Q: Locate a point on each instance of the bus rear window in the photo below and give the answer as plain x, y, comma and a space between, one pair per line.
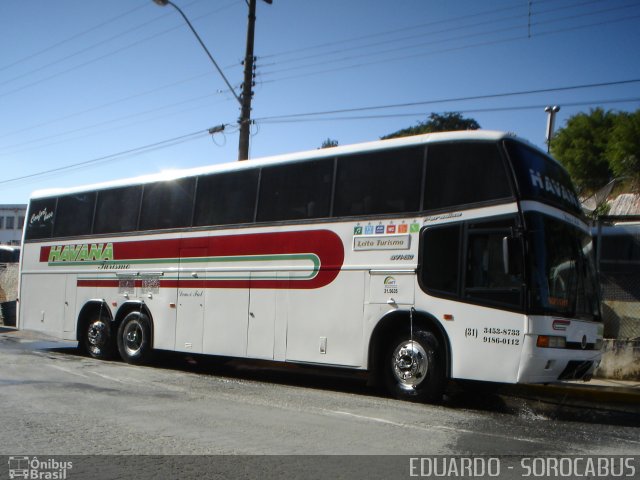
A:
39, 222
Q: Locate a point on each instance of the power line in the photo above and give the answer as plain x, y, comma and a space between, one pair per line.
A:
301, 117
456, 99
104, 105
115, 156
7, 148
403, 48
133, 96
100, 57
69, 39
341, 44
465, 111
448, 50
391, 32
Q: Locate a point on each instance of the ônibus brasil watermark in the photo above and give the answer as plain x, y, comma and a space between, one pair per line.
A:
33, 468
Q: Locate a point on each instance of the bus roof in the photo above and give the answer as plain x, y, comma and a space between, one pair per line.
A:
482, 135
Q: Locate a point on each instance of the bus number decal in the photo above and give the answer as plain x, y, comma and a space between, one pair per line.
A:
390, 285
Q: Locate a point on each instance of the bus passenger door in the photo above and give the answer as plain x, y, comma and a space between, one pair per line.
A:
191, 301
262, 318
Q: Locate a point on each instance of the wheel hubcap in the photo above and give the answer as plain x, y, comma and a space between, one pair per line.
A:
97, 335
133, 338
410, 364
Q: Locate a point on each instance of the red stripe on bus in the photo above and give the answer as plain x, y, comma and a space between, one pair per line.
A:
324, 243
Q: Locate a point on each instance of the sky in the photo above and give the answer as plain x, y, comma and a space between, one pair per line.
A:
92, 91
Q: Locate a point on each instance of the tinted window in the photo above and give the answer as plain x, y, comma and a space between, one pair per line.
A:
440, 259
294, 191
541, 178
74, 215
117, 210
464, 173
379, 182
40, 219
9, 254
167, 204
621, 246
226, 198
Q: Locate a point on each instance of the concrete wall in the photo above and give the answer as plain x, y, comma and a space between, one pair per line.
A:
8, 290
620, 360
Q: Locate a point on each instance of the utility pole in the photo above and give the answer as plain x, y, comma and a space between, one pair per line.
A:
247, 93
247, 85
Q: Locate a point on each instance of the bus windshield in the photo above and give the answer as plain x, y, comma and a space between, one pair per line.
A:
564, 280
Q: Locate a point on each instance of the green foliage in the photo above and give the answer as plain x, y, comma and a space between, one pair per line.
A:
581, 146
623, 149
329, 143
447, 122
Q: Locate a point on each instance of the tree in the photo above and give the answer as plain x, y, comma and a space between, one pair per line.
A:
447, 122
581, 146
329, 143
623, 148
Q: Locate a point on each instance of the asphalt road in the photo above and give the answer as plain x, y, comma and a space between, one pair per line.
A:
56, 402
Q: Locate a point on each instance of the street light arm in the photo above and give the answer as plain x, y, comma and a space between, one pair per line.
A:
169, 2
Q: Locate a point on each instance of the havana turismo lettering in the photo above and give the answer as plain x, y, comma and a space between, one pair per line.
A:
94, 252
552, 186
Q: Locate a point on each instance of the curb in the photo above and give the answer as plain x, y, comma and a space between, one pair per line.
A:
626, 399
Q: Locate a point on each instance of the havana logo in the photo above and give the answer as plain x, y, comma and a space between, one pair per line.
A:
94, 252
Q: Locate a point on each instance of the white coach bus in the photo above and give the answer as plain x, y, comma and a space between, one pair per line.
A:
458, 255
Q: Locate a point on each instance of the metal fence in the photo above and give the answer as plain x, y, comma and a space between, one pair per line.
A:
618, 255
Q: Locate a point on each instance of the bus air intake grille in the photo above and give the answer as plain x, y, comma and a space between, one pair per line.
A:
575, 370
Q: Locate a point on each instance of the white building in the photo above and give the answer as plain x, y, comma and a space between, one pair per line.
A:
11, 223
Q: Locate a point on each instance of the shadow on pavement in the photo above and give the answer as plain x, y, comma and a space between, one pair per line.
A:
494, 398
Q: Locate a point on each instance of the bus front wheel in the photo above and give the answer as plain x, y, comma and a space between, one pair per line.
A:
97, 339
413, 367
134, 338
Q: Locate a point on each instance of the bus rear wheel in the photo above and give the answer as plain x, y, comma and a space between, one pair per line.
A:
413, 367
97, 339
134, 338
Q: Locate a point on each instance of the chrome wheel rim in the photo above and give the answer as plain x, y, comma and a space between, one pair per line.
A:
133, 337
97, 335
410, 364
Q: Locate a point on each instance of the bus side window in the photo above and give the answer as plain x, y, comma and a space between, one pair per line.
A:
74, 215
117, 210
464, 174
440, 261
226, 198
379, 182
167, 204
295, 191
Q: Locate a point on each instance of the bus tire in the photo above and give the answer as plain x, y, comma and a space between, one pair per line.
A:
134, 338
97, 337
414, 369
